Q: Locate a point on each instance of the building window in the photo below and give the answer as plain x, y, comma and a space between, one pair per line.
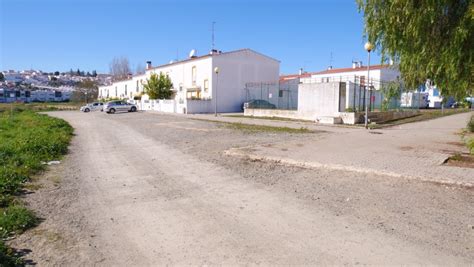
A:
116, 94
137, 87
125, 89
206, 85
280, 93
193, 75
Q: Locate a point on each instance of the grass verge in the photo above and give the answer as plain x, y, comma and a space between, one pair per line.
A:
26, 140
267, 118
424, 115
253, 128
17, 107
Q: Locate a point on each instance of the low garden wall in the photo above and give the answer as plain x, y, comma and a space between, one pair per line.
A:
340, 117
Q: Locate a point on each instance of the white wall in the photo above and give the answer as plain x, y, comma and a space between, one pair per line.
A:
318, 99
237, 69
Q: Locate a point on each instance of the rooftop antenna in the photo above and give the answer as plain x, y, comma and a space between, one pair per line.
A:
212, 45
330, 60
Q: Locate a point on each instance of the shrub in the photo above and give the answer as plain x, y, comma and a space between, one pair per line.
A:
470, 145
470, 125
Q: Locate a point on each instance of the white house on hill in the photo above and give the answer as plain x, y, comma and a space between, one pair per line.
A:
195, 83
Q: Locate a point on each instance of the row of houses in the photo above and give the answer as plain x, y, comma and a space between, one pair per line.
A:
201, 81
225, 80
26, 96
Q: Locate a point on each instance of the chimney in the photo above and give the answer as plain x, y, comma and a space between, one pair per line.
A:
330, 68
354, 64
359, 64
148, 65
214, 51
301, 71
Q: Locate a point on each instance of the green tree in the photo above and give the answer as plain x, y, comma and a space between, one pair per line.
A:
85, 89
2, 77
391, 93
428, 39
94, 73
158, 86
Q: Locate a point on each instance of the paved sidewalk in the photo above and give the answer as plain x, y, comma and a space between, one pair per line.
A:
414, 151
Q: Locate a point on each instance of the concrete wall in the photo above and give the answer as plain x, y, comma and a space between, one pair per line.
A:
199, 106
279, 113
156, 105
319, 99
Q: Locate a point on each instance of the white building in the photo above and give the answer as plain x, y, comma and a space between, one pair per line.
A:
197, 86
357, 74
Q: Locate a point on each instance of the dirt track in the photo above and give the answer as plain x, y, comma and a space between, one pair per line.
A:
148, 189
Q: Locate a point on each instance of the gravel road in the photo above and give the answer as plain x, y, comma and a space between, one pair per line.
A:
150, 189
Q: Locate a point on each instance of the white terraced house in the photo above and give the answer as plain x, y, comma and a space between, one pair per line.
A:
195, 82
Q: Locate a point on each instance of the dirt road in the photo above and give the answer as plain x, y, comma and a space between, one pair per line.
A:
149, 189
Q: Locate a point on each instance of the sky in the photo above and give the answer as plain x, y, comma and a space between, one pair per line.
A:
61, 35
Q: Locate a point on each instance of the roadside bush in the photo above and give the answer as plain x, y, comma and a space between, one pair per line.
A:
470, 145
470, 125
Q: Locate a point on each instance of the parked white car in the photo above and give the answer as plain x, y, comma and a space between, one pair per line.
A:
92, 107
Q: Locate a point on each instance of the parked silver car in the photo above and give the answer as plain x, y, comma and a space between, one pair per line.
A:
117, 106
92, 107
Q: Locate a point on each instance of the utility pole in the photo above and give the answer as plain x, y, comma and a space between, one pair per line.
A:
216, 70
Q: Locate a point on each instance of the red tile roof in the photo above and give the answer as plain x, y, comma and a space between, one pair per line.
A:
341, 70
294, 76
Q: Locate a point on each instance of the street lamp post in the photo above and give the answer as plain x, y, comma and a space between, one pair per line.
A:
368, 46
216, 70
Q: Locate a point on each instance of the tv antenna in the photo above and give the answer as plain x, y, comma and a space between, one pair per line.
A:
330, 60
212, 45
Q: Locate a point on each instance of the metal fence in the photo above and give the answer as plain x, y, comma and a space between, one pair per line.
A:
377, 95
272, 94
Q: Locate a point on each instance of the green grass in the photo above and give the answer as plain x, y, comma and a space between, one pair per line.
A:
424, 115
26, 140
6, 108
266, 118
251, 128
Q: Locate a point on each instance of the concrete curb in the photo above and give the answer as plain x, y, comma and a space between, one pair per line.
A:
236, 152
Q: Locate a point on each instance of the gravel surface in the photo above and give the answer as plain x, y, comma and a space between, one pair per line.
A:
148, 189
